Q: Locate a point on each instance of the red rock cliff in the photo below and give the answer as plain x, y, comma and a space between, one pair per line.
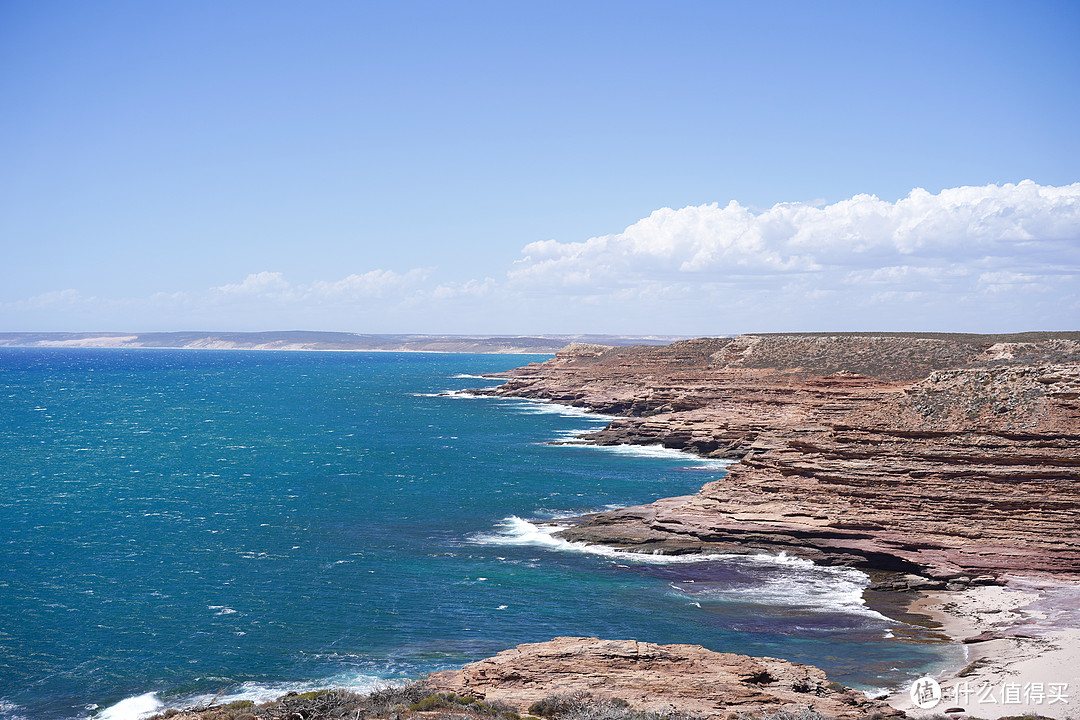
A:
955, 458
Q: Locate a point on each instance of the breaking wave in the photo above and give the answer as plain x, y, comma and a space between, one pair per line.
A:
132, 708
760, 578
652, 451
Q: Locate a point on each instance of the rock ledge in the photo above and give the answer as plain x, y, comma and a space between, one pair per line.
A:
683, 679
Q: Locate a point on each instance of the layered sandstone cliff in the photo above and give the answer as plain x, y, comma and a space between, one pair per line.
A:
952, 458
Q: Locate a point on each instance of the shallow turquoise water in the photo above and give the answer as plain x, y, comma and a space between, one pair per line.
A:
186, 522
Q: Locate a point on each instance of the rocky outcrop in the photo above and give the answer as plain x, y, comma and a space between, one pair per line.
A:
667, 679
952, 459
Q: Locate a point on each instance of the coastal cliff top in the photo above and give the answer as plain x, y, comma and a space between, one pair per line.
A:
904, 356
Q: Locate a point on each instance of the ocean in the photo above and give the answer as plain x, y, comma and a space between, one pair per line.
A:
179, 525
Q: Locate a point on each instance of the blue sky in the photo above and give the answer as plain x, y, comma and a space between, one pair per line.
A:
518, 167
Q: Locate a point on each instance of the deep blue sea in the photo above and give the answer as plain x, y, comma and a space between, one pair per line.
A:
178, 524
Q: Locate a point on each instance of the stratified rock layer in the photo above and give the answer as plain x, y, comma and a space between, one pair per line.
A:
684, 679
952, 458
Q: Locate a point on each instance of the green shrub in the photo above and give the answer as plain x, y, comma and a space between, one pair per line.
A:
239, 705
452, 701
381, 701
583, 706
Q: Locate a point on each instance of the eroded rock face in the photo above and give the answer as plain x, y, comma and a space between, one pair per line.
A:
661, 678
955, 458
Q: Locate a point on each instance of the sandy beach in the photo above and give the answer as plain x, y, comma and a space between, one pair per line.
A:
1022, 650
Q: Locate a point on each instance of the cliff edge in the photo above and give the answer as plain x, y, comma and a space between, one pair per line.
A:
950, 459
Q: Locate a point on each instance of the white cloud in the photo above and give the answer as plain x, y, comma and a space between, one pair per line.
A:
57, 298
272, 286
1021, 223
471, 288
906, 273
1006, 281
261, 284
375, 283
990, 258
963, 257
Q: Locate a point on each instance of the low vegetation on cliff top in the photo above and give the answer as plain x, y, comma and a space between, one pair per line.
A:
417, 701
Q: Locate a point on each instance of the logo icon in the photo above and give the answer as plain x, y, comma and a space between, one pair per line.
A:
925, 693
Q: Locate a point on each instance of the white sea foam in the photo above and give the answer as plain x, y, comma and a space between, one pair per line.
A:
545, 516
878, 692
11, 711
529, 406
265, 692
806, 587
532, 406
221, 609
132, 708
518, 531
467, 376
571, 437
790, 582
456, 394
654, 451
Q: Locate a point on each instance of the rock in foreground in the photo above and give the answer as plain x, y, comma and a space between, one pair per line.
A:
682, 679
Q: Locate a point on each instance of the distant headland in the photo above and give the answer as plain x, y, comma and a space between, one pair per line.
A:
314, 340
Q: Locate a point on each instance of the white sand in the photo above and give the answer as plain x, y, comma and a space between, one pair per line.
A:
1035, 674
90, 342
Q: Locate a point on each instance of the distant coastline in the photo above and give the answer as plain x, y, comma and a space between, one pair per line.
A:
325, 341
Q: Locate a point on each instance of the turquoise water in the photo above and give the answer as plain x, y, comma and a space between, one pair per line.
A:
175, 524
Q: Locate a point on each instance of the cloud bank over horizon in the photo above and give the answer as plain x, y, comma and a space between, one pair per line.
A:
974, 258
1023, 223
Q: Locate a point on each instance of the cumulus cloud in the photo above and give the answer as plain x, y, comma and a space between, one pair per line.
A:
922, 234
261, 284
965, 256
